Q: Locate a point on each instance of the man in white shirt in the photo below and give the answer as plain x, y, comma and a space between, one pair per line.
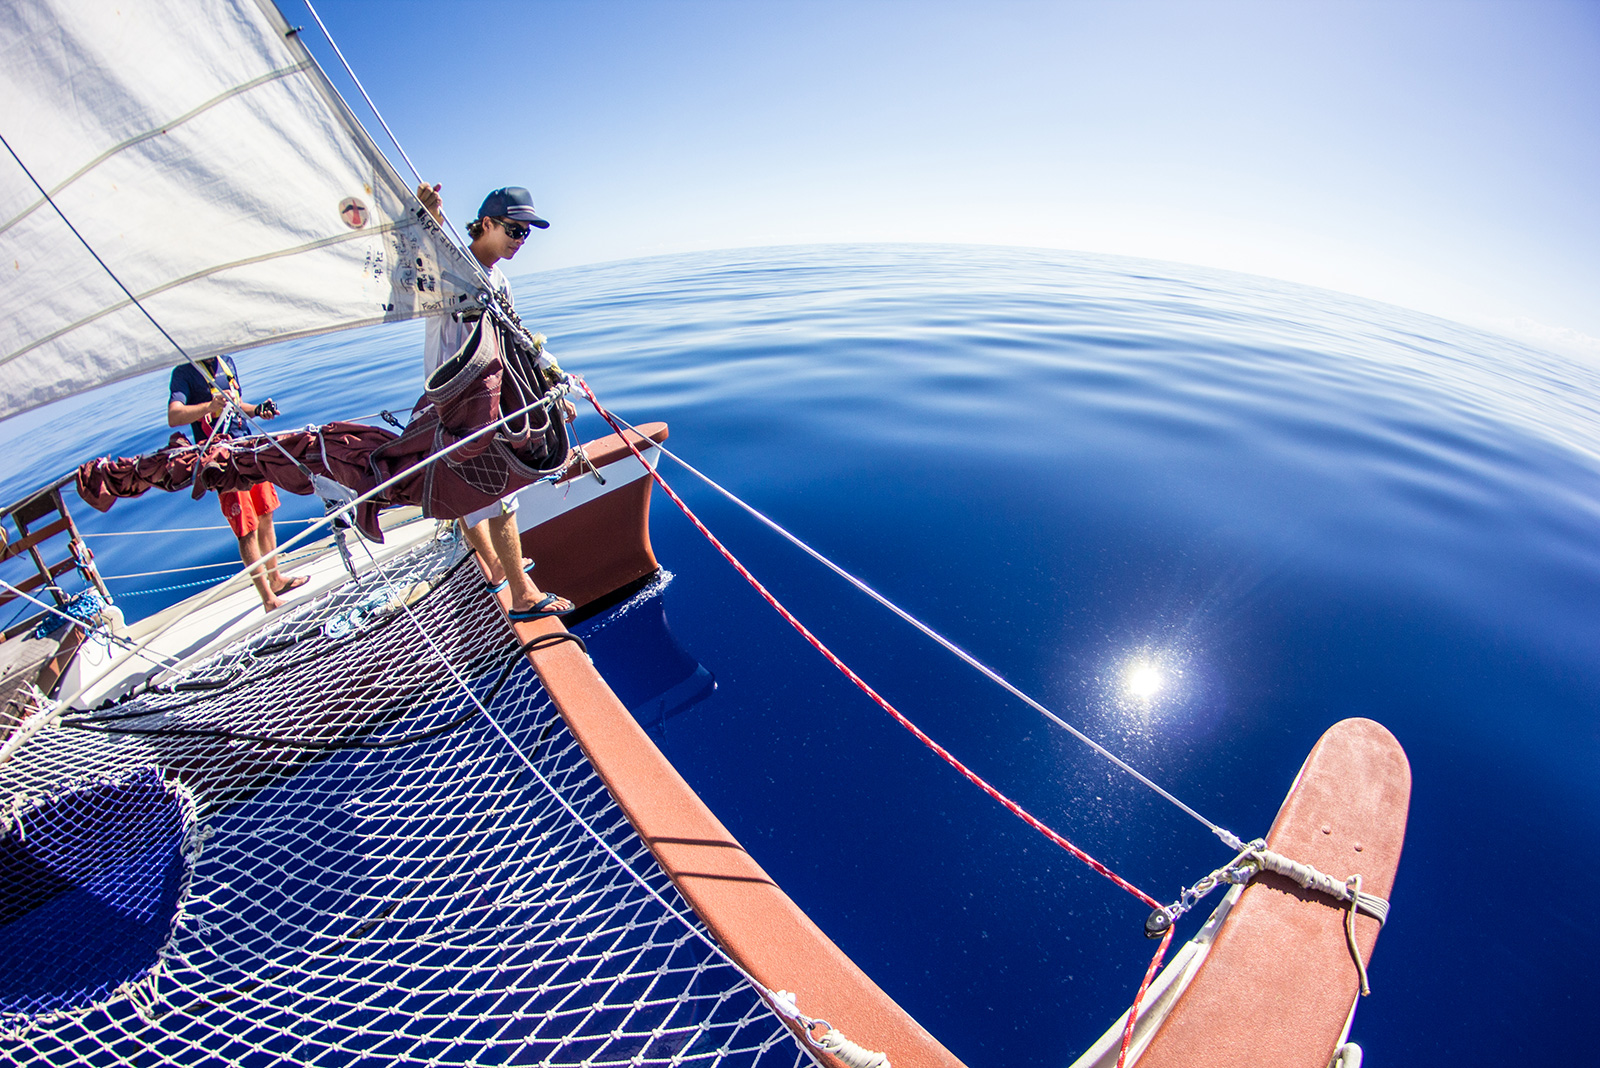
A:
503, 223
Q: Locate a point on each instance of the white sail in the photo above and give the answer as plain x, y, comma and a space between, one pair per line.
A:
202, 154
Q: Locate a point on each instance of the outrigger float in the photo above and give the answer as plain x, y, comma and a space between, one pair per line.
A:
383, 824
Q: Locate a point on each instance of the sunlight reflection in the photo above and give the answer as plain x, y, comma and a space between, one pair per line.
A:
1145, 680
1150, 683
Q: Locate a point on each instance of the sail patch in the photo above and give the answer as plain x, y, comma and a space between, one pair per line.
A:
354, 212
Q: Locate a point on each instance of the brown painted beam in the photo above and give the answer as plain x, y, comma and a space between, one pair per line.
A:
750, 916
1279, 983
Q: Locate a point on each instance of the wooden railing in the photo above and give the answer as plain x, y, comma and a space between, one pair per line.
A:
40, 527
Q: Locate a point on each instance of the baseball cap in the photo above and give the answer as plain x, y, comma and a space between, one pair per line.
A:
512, 202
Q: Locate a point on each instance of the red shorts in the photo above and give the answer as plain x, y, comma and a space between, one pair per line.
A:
244, 508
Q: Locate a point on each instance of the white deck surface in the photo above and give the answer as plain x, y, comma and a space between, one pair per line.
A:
230, 610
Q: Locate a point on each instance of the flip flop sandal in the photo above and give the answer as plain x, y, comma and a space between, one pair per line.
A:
292, 585
541, 609
493, 587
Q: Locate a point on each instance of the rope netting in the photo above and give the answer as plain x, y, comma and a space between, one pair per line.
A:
317, 849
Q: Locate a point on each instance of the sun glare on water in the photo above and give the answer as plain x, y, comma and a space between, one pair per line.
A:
1144, 681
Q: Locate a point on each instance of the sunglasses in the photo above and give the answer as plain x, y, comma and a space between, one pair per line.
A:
516, 231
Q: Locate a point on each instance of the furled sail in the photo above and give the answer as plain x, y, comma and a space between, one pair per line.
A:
204, 156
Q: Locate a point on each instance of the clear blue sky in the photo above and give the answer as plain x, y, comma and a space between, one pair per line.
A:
1439, 154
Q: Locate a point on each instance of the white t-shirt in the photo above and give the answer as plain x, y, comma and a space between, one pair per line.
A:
445, 334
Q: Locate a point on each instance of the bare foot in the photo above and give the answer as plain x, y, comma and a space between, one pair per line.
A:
494, 574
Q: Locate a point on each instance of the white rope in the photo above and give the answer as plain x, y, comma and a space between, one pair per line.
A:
772, 998
362, 89
283, 558
1256, 858
185, 530
1310, 878
851, 1054
833, 1041
1231, 840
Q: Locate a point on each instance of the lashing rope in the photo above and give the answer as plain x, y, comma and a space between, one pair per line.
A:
1312, 879
831, 1040
1257, 858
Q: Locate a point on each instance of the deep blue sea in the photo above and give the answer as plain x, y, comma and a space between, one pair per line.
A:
1298, 505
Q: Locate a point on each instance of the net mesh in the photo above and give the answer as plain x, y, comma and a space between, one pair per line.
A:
315, 850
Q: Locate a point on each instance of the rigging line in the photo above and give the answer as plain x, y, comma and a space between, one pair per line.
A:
362, 89
882, 702
163, 128
222, 589
18, 614
113, 274
239, 406
1144, 986
283, 558
695, 929
455, 235
185, 530
126, 643
1228, 837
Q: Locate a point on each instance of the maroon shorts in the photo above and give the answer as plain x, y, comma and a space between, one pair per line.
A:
244, 508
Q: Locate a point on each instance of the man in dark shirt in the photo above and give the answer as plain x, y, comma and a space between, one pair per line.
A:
200, 404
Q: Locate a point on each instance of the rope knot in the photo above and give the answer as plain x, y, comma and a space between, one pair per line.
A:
833, 1041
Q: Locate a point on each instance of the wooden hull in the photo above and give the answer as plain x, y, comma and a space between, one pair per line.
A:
1270, 980
750, 915
591, 540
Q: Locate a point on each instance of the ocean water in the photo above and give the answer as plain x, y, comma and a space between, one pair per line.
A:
1299, 506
